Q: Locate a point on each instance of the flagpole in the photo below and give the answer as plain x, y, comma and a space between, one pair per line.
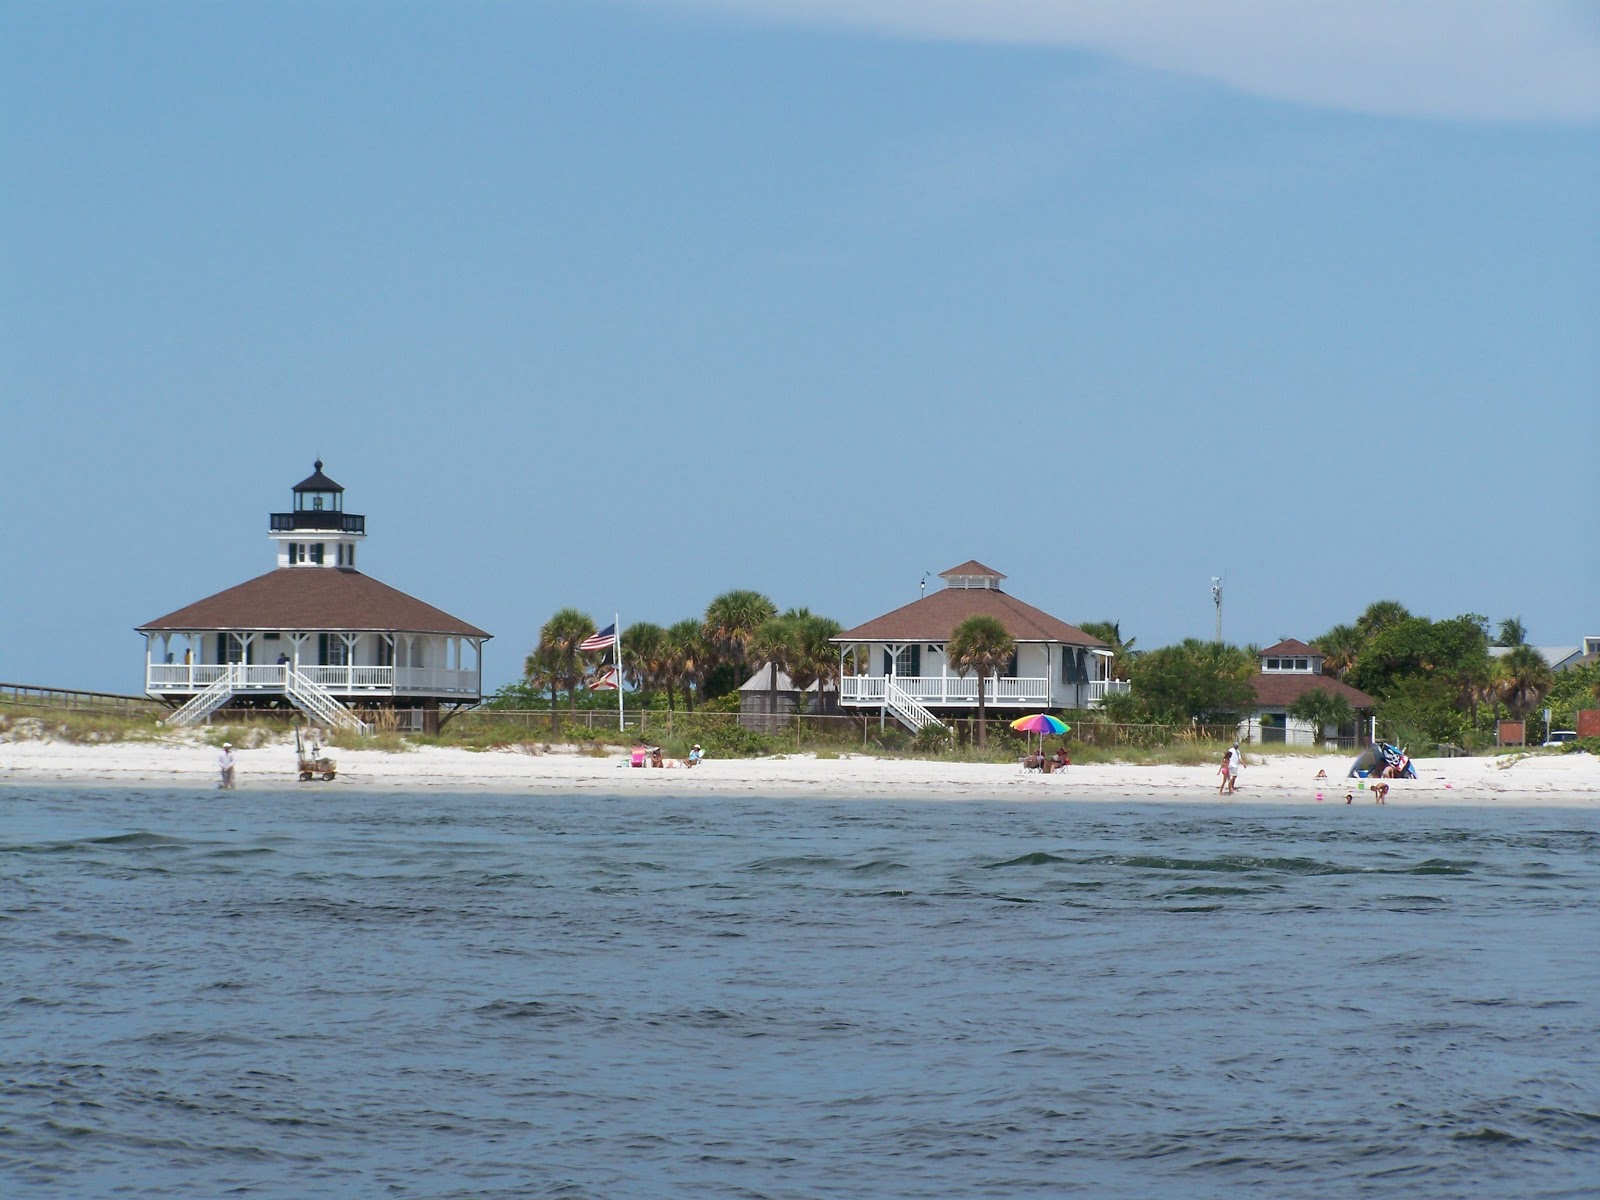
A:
616, 634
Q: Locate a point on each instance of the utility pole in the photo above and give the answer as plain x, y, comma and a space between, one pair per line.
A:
1216, 598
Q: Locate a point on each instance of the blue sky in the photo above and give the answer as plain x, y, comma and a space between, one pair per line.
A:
622, 305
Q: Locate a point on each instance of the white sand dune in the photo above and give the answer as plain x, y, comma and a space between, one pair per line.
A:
1567, 780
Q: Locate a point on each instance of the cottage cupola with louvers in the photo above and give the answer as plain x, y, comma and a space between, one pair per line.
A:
317, 532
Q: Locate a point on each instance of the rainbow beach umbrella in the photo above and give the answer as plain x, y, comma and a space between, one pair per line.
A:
1040, 723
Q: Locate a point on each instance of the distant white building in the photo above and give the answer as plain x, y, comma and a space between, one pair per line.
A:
314, 632
1560, 657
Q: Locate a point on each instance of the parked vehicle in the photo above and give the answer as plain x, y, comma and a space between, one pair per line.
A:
1558, 736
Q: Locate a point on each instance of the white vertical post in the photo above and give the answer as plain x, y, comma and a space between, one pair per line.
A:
616, 659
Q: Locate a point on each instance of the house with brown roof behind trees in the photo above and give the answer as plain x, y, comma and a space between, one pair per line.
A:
1289, 670
897, 665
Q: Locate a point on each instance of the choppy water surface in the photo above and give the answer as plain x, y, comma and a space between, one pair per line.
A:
324, 993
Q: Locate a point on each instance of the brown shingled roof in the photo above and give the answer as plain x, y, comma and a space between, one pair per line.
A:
314, 598
934, 618
1281, 691
971, 567
1292, 646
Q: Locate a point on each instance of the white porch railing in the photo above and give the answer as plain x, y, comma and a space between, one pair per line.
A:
937, 690
1097, 690
345, 680
435, 679
951, 691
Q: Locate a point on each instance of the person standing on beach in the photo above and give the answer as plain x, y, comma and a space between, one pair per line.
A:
226, 764
1235, 760
1227, 759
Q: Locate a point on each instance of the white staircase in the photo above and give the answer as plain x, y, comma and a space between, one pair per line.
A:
318, 703
203, 704
906, 708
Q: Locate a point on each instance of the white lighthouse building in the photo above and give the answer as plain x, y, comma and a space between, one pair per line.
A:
314, 633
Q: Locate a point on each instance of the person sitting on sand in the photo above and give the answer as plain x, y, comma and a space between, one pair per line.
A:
655, 757
695, 755
1033, 762
1062, 758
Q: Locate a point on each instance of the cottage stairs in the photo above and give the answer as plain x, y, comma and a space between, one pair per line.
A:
906, 708
203, 704
305, 693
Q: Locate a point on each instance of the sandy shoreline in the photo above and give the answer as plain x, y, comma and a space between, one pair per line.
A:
1539, 780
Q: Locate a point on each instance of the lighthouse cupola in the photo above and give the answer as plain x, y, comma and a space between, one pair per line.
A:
318, 532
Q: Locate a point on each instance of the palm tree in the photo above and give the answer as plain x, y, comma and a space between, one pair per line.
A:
684, 659
1321, 708
816, 658
731, 621
643, 657
1523, 679
539, 670
1512, 633
1341, 647
980, 644
1475, 683
559, 640
776, 643
1381, 615
1122, 652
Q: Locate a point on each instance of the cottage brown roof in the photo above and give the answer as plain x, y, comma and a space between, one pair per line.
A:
1292, 646
1281, 691
934, 618
971, 567
314, 598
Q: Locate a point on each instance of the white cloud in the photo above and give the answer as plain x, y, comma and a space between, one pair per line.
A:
1498, 60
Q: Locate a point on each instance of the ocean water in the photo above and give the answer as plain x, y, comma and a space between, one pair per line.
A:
322, 992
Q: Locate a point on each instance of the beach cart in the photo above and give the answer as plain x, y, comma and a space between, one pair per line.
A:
313, 762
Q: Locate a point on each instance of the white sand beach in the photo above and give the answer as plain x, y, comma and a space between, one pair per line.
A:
1564, 780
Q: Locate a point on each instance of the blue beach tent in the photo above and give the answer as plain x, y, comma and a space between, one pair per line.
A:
1380, 755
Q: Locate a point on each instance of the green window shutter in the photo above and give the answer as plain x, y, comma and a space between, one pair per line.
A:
916, 659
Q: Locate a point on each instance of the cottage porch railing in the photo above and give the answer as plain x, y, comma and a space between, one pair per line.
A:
343, 680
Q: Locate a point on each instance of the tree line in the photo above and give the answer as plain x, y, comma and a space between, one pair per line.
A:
1433, 681
693, 660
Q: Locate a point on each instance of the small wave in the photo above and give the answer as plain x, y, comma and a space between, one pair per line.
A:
90, 939
879, 866
1440, 866
1489, 1136
140, 838
1037, 859
804, 862
543, 1011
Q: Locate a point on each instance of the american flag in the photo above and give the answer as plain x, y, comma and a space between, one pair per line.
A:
600, 641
